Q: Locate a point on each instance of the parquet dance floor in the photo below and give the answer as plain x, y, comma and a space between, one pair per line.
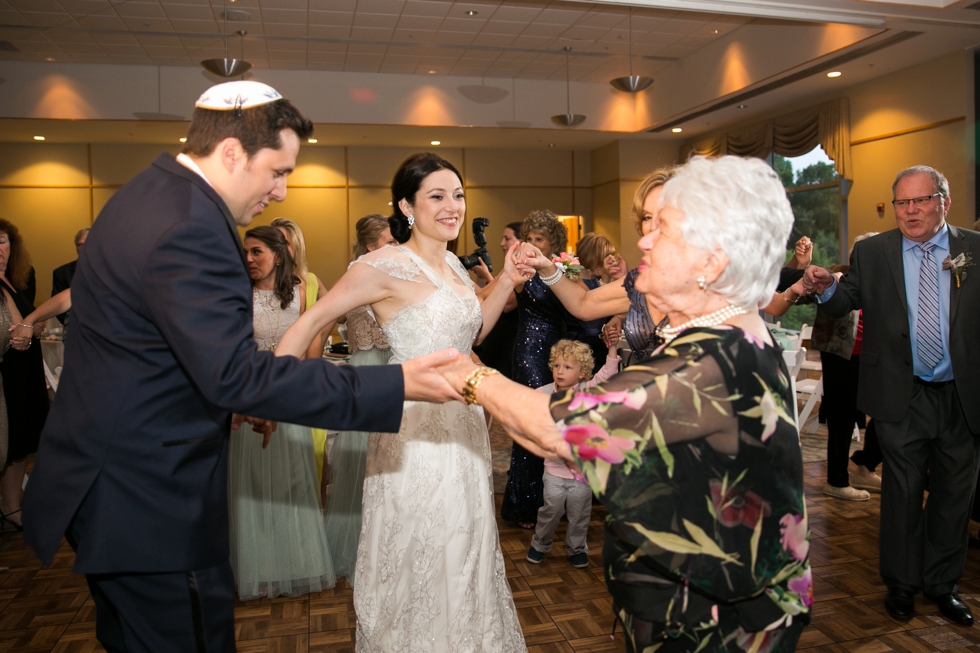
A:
562, 609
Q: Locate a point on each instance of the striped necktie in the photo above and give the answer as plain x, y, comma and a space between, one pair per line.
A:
929, 341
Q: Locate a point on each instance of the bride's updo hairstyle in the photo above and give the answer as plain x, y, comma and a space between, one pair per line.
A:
407, 182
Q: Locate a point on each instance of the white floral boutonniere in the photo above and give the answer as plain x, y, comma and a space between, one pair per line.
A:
958, 266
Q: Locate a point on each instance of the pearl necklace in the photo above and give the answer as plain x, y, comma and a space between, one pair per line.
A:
668, 333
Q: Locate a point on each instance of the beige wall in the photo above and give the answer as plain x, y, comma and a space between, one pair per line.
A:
943, 92
617, 168
50, 191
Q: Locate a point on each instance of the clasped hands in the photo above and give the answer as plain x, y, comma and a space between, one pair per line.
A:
21, 336
816, 280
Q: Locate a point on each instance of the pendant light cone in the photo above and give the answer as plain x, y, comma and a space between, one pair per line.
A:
226, 67
568, 119
632, 83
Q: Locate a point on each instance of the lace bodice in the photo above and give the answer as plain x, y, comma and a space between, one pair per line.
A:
363, 332
435, 315
269, 320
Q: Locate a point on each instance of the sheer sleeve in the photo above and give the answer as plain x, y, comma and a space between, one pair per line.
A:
676, 396
695, 455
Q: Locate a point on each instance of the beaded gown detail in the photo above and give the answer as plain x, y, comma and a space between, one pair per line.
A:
430, 574
278, 540
541, 323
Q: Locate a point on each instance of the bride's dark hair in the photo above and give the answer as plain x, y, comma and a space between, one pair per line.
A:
406, 184
272, 238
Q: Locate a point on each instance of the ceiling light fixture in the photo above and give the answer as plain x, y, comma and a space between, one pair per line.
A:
716, 31
435, 143
431, 72
568, 119
742, 106
633, 83
39, 138
677, 130
513, 122
49, 58
835, 73
228, 67
183, 139
311, 141
472, 13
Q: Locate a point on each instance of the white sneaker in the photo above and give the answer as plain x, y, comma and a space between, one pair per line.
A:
863, 479
847, 493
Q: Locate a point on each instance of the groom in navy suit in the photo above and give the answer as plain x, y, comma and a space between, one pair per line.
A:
133, 460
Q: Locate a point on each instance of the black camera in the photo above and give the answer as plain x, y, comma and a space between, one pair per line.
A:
480, 238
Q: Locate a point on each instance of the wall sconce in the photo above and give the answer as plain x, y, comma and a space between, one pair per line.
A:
881, 209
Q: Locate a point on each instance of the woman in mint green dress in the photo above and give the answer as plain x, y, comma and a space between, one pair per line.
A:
367, 346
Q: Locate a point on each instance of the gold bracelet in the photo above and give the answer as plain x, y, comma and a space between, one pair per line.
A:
473, 381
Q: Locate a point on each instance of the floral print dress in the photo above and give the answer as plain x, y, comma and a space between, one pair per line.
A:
696, 457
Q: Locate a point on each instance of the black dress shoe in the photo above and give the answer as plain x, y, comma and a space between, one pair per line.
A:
953, 608
900, 603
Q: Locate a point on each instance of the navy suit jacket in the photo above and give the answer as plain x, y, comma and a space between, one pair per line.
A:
875, 282
161, 352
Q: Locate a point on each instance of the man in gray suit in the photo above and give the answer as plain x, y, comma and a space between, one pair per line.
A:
920, 377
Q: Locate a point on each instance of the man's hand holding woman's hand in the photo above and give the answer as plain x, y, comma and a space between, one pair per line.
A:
816, 279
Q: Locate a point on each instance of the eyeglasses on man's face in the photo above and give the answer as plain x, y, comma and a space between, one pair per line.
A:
919, 202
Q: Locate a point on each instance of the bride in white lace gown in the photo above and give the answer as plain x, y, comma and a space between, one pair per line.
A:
430, 574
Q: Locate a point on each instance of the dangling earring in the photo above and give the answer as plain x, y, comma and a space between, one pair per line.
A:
411, 220
702, 282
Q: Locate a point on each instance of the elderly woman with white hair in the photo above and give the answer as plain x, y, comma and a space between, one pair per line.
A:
693, 451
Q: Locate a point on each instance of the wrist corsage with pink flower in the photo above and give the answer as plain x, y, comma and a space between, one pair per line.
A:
568, 265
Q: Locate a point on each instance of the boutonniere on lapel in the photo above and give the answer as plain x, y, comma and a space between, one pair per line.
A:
958, 267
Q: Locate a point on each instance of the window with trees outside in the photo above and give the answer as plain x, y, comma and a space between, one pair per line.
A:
814, 193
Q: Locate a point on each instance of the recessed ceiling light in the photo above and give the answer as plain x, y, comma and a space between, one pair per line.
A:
742, 106
472, 13
39, 138
311, 140
49, 58
431, 72
551, 144
835, 73
435, 143
716, 31
677, 130
183, 139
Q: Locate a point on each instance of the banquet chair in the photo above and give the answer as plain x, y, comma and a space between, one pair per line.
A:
794, 360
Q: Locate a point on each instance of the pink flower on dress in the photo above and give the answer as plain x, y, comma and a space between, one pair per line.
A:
803, 585
634, 399
794, 539
594, 442
753, 339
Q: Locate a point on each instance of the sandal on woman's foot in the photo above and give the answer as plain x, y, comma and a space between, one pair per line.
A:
528, 526
5, 521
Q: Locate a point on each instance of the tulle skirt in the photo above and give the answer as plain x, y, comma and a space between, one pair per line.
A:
278, 539
347, 458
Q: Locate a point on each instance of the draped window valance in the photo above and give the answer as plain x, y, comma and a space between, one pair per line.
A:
827, 125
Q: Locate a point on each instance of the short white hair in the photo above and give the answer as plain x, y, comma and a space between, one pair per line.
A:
737, 205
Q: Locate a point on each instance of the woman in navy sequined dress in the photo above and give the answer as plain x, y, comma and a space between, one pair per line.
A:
620, 299
541, 323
